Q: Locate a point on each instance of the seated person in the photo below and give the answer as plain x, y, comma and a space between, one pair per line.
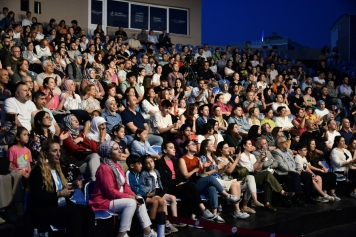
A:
89, 102
140, 145
240, 120
81, 149
118, 135
282, 120
112, 192
49, 202
110, 115
280, 102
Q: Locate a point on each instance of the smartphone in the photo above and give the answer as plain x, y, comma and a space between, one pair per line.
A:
140, 200
10, 117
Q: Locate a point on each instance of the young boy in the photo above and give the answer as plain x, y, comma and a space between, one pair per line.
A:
158, 205
294, 141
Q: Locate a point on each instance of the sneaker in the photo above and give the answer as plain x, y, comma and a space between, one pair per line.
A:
179, 225
353, 194
318, 199
239, 214
196, 226
218, 219
337, 199
167, 231
325, 199
171, 227
231, 199
151, 234
207, 215
2, 221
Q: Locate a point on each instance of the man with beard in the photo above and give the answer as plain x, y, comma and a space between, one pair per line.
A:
21, 105
5, 50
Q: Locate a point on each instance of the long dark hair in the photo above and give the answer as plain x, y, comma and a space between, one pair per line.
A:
230, 132
138, 131
336, 141
312, 155
146, 96
253, 132
268, 99
203, 149
38, 124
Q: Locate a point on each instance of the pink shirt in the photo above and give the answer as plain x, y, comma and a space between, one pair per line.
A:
169, 163
223, 107
106, 188
55, 101
19, 157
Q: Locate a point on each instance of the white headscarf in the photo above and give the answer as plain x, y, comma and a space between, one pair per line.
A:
107, 106
94, 133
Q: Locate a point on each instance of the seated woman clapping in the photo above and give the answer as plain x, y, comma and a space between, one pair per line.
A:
49, 202
82, 150
189, 166
112, 193
248, 184
213, 168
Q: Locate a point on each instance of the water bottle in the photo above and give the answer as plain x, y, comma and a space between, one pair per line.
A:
35, 233
220, 209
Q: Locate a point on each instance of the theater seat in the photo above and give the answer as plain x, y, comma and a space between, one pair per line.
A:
88, 189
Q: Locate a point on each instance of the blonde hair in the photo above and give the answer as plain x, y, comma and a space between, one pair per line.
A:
46, 169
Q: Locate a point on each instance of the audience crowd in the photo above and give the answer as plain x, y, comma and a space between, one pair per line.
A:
150, 122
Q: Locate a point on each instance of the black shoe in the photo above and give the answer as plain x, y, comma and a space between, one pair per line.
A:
286, 203
311, 201
297, 203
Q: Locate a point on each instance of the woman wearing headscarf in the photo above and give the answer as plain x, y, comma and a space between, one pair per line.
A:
112, 192
91, 80
98, 130
80, 148
321, 111
49, 202
224, 87
112, 118
72, 101
254, 133
266, 132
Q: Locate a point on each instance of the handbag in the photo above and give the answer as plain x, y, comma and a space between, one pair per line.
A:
349, 167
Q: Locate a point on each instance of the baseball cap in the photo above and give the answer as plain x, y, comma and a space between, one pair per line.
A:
78, 55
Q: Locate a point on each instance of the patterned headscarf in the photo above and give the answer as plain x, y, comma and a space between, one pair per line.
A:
92, 81
104, 150
67, 123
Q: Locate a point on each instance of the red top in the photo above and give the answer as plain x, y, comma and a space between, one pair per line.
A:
192, 163
71, 147
106, 188
300, 130
224, 108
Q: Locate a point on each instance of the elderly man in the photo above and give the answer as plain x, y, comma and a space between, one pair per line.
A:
76, 69
346, 131
144, 64
134, 120
48, 68
331, 133
21, 105
253, 101
287, 165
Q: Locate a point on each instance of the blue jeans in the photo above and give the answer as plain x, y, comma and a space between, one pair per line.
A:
209, 186
152, 139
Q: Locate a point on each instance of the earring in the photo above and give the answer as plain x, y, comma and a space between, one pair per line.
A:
46, 160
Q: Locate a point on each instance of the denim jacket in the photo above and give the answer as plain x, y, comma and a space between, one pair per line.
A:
134, 182
147, 182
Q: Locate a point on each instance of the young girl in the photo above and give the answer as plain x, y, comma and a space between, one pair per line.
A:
140, 145
20, 156
118, 133
151, 184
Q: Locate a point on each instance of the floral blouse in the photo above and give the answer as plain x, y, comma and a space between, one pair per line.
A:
213, 165
35, 144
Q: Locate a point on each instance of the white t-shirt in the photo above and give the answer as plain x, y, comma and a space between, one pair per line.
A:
321, 113
43, 52
158, 120
122, 74
283, 122
207, 54
153, 173
156, 79
247, 162
331, 137
211, 138
318, 80
275, 106
274, 73
260, 84
147, 106
12, 105
26, 22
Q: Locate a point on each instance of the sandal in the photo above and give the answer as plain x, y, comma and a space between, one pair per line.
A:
269, 207
257, 204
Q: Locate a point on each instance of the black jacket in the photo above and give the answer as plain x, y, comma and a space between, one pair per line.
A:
166, 173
